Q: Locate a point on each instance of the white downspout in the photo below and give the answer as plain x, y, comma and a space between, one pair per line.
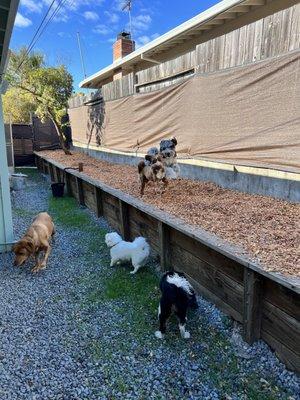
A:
6, 225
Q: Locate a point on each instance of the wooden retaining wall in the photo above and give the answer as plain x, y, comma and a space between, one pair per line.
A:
266, 304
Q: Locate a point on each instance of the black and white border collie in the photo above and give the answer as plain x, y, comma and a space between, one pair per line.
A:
177, 295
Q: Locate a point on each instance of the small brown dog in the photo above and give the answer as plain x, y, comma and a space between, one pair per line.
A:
151, 169
35, 241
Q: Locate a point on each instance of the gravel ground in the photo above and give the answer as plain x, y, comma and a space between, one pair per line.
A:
82, 330
267, 229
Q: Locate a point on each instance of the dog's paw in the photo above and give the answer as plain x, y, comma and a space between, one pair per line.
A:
159, 335
133, 272
186, 335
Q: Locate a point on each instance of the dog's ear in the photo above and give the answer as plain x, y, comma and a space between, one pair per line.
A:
28, 244
159, 158
15, 247
148, 157
141, 166
174, 140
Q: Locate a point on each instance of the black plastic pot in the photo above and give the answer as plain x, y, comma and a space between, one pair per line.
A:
58, 189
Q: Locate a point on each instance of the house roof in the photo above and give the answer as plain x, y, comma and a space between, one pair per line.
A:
8, 10
187, 32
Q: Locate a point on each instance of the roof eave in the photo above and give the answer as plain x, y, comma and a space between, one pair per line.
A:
184, 27
8, 31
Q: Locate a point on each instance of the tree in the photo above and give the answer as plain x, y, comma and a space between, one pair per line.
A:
48, 88
17, 106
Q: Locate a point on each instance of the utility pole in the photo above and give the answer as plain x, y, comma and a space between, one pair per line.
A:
81, 55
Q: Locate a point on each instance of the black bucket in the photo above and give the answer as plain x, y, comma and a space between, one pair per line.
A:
58, 189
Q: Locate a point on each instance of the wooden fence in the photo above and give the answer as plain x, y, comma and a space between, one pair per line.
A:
165, 74
266, 304
29, 137
119, 88
268, 37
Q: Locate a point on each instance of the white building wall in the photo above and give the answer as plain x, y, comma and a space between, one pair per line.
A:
6, 226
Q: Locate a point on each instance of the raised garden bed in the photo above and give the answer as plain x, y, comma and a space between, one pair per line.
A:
267, 304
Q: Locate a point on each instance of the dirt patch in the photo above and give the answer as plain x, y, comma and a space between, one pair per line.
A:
267, 229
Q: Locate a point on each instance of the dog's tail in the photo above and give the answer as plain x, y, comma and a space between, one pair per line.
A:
144, 246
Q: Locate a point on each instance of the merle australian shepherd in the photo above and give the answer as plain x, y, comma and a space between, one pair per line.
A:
177, 295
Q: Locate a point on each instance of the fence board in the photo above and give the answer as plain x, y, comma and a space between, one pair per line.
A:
269, 37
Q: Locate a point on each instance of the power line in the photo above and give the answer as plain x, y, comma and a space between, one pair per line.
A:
54, 14
43, 25
37, 31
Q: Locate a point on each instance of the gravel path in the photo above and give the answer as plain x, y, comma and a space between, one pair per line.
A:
267, 229
81, 330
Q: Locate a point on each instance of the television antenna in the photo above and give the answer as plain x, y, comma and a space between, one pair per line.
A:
128, 7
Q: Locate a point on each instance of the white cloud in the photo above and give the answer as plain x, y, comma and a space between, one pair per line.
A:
102, 29
91, 15
141, 22
119, 4
144, 39
21, 21
112, 18
64, 34
69, 6
32, 6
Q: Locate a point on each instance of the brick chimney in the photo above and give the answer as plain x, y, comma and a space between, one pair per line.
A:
123, 45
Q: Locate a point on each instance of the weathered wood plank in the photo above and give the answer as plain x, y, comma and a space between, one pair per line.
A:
164, 246
208, 276
280, 296
68, 183
271, 36
287, 356
210, 296
252, 306
89, 198
124, 220
281, 326
80, 191
229, 267
51, 172
98, 201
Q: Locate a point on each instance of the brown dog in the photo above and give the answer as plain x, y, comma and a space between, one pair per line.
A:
35, 241
152, 169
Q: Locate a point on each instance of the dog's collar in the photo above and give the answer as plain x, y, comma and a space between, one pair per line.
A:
114, 245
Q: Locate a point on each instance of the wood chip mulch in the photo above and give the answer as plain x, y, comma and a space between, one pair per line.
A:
267, 229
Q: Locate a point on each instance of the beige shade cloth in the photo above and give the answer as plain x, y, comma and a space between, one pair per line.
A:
248, 115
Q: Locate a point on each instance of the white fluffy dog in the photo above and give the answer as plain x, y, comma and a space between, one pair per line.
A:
120, 251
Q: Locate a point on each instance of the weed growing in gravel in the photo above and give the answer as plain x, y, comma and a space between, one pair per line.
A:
20, 212
66, 212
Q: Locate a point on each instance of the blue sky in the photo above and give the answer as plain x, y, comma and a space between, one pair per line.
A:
98, 21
